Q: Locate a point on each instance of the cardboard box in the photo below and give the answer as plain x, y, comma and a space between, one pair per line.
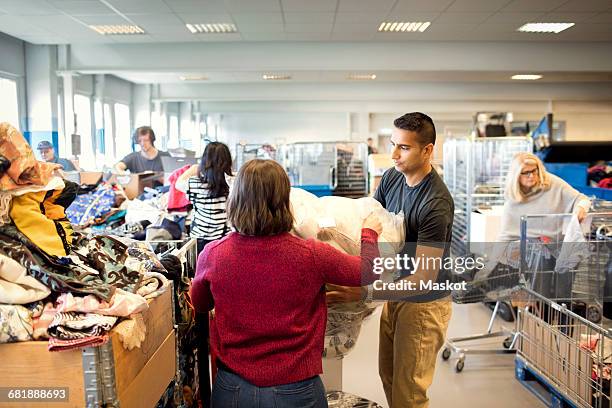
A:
140, 376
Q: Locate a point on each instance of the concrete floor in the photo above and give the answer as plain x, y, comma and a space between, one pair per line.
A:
486, 381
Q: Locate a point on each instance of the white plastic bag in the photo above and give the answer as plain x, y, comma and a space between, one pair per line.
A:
574, 247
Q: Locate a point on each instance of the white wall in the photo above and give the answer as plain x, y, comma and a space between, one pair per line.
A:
274, 127
11, 56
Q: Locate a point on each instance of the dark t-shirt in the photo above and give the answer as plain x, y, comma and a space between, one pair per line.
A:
428, 210
137, 163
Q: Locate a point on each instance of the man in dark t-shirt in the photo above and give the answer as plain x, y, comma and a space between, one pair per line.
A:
147, 159
415, 319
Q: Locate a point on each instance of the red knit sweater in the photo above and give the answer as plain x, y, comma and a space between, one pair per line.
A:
269, 300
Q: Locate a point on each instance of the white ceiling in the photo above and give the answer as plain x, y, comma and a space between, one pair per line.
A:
66, 21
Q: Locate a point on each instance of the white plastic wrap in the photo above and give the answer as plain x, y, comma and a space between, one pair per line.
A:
338, 221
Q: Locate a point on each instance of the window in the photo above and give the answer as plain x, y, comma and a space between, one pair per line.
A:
82, 109
123, 130
9, 103
109, 136
174, 133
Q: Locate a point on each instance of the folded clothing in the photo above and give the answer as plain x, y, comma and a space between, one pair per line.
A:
16, 287
121, 304
74, 325
74, 344
15, 324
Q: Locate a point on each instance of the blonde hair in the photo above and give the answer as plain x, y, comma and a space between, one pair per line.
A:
513, 186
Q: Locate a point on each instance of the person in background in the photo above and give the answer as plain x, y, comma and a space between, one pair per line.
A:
530, 189
47, 154
371, 148
268, 290
147, 159
207, 186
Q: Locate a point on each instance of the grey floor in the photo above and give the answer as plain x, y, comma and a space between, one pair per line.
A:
486, 381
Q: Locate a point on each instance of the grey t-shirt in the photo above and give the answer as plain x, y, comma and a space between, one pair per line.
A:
137, 163
428, 210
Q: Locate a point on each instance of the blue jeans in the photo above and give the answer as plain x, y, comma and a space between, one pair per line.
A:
231, 391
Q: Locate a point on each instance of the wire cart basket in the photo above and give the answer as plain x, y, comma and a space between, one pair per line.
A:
575, 273
475, 170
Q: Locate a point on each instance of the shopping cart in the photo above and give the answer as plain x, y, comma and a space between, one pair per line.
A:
564, 344
499, 282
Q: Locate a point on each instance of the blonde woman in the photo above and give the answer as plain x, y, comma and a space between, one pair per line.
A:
532, 190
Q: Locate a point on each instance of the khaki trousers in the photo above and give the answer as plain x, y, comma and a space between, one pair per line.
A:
411, 334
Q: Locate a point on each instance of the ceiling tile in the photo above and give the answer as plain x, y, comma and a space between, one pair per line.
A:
308, 36
355, 28
447, 28
18, 26
308, 28
81, 8
47, 39
140, 6
365, 5
477, 5
197, 6
309, 6
586, 5
460, 18
517, 18
523, 6
253, 36
195, 18
219, 37
59, 23
257, 18
357, 18
239, 6
416, 16
567, 17
102, 19
162, 19
171, 29
409, 6
306, 17
605, 18
499, 28
260, 28
29, 8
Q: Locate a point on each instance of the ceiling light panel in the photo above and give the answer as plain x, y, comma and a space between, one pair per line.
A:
276, 77
193, 78
403, 27
526, 77
362, 77
212, 28
117, 29
555, 28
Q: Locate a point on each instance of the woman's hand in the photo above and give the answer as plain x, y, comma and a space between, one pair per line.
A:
581, 213
343, 294
372, 222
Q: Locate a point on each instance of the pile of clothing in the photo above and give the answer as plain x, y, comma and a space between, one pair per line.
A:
55, 283
338, 221
600, 175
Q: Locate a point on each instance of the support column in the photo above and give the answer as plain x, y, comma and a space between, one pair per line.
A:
41, 91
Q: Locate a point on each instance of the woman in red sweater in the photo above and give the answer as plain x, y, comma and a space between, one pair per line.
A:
268, 290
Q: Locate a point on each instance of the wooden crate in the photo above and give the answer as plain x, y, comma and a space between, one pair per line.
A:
135, 378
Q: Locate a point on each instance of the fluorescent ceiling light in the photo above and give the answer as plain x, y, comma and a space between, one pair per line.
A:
545, 27
275, 77
402, 27
362, 77
526, 77
213, 28
193, 78
117, 29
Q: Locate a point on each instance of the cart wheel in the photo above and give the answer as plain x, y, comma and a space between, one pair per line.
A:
446, 353
459, 366
507, 342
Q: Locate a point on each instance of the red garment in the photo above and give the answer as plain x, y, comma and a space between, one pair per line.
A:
605, 183
177, 200
269, 299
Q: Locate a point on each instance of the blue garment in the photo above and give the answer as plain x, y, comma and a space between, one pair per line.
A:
87, 207
231, 391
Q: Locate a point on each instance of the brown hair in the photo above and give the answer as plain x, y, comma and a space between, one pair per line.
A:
259, 201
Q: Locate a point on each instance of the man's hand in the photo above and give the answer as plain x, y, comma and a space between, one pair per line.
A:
343, 294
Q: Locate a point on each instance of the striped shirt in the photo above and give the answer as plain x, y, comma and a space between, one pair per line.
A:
209, 216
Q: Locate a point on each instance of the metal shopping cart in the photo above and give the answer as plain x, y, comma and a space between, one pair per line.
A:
565, 345
544, 261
